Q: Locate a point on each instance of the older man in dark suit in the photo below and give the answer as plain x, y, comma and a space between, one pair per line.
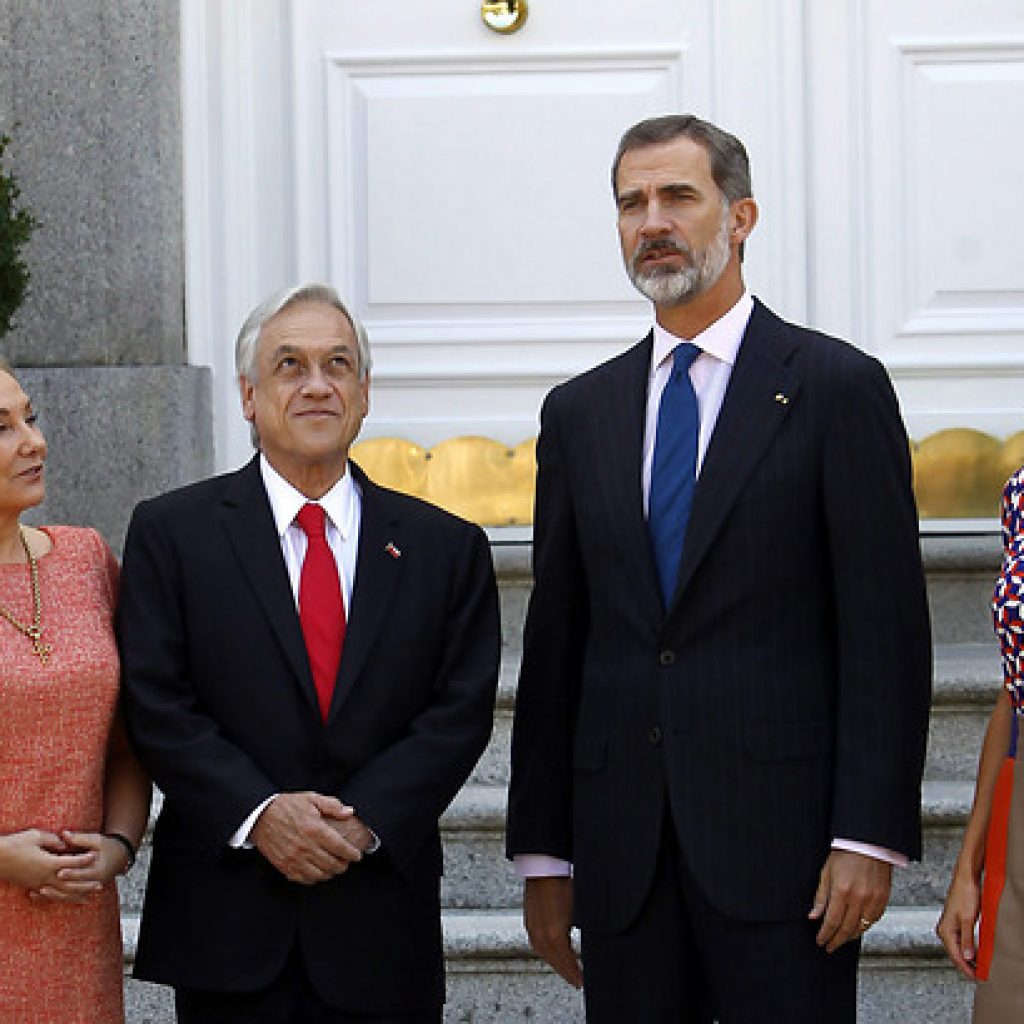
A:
309, 666
725, 683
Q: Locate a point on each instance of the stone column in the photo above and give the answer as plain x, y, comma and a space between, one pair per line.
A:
90, 93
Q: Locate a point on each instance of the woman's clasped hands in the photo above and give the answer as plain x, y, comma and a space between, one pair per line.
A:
68, 867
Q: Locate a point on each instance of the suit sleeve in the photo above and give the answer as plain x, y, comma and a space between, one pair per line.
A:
209, 779
540, 792
402, 791
884, 640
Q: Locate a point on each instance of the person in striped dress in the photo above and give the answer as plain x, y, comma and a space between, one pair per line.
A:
988, 879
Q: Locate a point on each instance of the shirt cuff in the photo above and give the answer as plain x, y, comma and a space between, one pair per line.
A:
375, 843
240, 840
540, 865
899, 860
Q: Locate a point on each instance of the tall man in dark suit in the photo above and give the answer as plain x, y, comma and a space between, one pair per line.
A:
726, 672
309, 668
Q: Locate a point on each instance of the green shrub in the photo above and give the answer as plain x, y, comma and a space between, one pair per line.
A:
16, 226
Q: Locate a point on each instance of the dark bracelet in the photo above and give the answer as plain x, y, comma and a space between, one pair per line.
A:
128, 847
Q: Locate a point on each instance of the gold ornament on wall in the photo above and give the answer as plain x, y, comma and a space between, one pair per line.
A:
958, 474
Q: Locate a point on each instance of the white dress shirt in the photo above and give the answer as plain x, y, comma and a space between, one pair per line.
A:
709, 373
343, 508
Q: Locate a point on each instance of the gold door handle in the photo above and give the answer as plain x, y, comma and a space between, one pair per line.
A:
504, 16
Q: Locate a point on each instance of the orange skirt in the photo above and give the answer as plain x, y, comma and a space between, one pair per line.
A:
999, 996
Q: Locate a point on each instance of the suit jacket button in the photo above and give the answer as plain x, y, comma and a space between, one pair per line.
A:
654, 736
667, 657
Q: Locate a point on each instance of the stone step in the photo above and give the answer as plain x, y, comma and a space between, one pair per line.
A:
967, 677
515, 581
944, 810
493, 766
905, 974
476, 872
494, 979
961, 571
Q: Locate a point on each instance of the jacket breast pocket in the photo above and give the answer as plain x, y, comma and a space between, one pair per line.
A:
787, 741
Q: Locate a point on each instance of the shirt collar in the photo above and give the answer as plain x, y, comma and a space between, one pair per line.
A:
285, 501
720, 339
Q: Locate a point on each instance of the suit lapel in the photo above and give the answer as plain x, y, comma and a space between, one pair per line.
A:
249, 525
379, 567
622, 417
761, 393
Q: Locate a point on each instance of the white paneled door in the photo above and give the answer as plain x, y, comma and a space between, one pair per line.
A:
916, 160
452, 182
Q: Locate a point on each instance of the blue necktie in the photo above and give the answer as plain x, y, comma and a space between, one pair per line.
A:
674, 473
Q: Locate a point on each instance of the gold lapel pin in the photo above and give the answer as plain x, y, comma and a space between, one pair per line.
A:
781, 398
392, 550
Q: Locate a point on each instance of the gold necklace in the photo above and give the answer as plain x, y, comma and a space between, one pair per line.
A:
34, 632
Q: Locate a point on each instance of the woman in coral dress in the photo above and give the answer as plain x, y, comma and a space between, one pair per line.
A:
988, 880
73, 800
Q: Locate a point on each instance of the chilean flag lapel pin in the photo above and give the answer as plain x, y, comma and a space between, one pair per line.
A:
392, 550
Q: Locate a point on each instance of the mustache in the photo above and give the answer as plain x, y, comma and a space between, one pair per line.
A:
662, 247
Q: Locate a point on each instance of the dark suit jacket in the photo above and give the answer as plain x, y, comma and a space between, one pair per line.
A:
782, 699
220, 703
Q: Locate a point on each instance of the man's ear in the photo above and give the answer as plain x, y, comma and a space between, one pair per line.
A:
743, 216
245, 391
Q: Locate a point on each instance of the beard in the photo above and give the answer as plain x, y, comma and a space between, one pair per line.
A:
667, 287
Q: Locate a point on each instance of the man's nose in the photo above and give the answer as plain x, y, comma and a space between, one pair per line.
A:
655, 222
316, 381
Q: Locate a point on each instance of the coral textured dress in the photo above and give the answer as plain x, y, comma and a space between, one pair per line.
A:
59, 962
999, 996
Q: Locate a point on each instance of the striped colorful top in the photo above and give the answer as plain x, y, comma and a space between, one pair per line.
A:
1008, 600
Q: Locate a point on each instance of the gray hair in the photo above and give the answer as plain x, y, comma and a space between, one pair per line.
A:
249, 335
730, 165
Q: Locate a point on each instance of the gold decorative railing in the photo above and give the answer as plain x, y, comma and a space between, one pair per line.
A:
476, 478
958, 474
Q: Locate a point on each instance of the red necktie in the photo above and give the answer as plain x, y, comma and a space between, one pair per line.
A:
321, 609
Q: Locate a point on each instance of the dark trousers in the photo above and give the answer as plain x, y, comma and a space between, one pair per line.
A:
683, 962
289, 999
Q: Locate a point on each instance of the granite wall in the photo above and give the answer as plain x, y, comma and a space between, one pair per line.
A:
90, 93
